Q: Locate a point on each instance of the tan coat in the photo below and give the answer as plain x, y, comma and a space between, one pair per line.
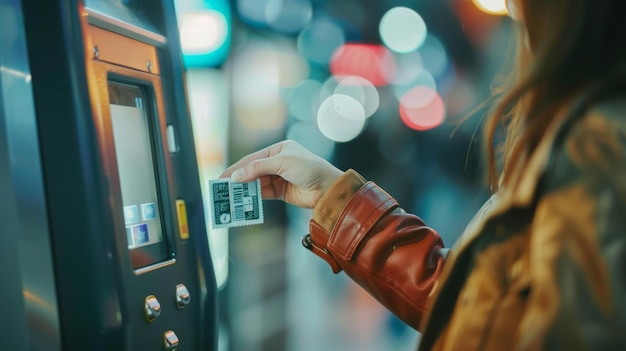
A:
539, 268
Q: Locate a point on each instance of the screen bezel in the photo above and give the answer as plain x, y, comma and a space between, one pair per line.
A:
153, 253
150, 257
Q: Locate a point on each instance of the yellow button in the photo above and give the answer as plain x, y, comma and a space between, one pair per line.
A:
181, 211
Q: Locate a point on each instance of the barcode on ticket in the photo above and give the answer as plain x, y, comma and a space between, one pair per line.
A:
235, 204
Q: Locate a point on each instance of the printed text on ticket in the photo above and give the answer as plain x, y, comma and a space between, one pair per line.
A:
235, 204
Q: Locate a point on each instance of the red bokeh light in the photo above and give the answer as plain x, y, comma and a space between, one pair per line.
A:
426, 114
372, 62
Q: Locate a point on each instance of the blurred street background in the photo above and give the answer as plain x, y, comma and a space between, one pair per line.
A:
379, 86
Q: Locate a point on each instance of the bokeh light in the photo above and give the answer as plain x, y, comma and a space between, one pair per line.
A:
309, 136
292, 68
422, 79
319, 40
422, 109
256, 87
303, 100
418, 97
362, 90
341, 118
205, 31
288, 16
492, 7
202, 32
253, 11
372, 62
356, 87
402, 29
434, 56
407, 67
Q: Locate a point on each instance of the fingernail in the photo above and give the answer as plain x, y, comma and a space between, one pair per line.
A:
238, 175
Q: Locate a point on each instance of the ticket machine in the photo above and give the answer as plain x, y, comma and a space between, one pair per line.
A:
107, 231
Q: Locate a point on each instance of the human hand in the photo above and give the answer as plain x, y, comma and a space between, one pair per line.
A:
288, 172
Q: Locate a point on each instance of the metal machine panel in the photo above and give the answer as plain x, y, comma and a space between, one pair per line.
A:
29, 314
141, 280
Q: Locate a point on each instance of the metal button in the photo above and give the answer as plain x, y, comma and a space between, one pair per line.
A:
152, 308
182, 296
170, 340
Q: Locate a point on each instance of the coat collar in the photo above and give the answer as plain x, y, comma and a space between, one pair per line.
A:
521, 196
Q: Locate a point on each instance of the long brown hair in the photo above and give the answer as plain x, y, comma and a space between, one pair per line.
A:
564, 47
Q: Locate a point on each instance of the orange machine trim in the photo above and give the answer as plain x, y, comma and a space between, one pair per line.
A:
123, 51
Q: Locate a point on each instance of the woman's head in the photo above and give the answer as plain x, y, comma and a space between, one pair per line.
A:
565, 46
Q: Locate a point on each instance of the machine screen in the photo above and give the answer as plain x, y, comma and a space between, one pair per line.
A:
137, 173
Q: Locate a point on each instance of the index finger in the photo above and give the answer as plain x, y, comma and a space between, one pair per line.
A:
258, 155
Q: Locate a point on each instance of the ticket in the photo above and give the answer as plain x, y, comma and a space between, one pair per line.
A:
235, 204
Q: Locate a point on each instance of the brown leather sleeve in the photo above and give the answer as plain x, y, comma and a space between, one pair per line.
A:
391, 254
337, 196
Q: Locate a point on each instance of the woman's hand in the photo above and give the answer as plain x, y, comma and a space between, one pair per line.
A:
288, 172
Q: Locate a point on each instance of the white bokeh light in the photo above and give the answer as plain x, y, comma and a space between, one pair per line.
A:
341, 118
359, 88
202, 32
402, 29
362, 90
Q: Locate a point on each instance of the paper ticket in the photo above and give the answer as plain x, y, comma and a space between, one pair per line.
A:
235, 204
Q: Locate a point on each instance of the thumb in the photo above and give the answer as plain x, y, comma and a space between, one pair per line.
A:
256, 169
239, 175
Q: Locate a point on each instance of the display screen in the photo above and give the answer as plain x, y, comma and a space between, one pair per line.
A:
137, 169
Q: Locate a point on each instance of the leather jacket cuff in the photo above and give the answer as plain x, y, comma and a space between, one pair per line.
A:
333, 202
354, 221
327, 212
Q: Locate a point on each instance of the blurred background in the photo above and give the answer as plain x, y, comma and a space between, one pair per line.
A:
379, 86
